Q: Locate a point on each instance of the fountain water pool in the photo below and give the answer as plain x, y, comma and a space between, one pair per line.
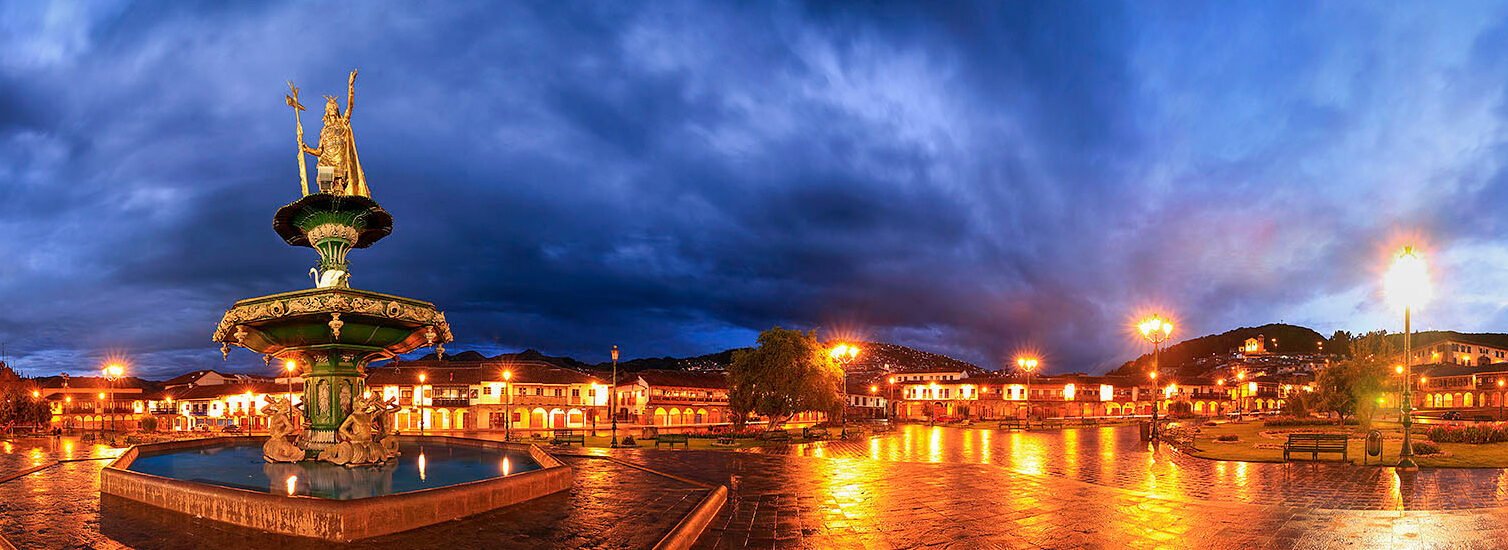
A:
420, 466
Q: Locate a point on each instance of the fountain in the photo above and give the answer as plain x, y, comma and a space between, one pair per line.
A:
331, 466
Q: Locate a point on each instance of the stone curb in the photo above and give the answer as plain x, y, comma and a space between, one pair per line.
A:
26, 472
5, 544
690, 528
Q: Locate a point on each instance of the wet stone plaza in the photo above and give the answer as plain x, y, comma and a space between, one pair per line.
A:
931, 487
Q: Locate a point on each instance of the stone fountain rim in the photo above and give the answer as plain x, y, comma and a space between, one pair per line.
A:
330, 519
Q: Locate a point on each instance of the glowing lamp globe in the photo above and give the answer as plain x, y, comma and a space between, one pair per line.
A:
1407, 282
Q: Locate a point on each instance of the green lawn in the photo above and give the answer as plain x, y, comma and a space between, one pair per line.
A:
1460, 455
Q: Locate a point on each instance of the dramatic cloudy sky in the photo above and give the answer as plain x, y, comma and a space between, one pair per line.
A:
672, 178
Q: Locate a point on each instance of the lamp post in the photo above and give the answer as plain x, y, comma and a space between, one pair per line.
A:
113, 372
844, 354
1241, 404
1156, 330
613, 396
1221, 383
290, 367
1407, 286
251, 412
890, 404
420, 400
1027, 365
508, 415
1500, 400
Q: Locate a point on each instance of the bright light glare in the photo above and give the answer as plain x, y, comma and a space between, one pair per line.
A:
1407, 283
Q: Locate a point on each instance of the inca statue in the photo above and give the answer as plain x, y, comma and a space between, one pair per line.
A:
339, 169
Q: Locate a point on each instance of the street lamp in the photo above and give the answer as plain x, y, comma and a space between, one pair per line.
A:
1500, 400
890, 405
1241, 405
1027, 365
508, 416
1221, 383
844, 354
113, 372
291, 367
613, 393
1156, 330
420, 401
1407, 287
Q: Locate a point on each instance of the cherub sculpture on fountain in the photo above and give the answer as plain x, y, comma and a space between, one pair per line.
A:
280, 425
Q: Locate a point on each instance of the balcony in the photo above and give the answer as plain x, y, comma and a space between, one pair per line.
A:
451, 401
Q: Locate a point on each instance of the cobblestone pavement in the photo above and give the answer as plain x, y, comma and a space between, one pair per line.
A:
609, 506
921, 487
1115, 457
1098, 488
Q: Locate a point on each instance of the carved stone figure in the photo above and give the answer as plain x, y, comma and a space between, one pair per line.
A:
359, 439
281, 423
385, 443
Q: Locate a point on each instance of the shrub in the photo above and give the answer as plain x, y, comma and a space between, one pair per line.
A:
149, 424
1476, 434
1426, 448
1226, 437
627, 440
1210, 424
1290, 421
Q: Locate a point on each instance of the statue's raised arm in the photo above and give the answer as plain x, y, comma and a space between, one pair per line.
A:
350, 95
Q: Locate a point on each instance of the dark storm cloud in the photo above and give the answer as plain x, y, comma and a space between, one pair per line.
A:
672, 178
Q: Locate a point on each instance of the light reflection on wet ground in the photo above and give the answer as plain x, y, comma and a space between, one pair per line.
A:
1115, 457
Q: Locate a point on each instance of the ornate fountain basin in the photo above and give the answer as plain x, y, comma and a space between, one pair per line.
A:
344, 516
381, 325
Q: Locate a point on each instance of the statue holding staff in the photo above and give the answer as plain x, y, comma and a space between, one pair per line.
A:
338, 169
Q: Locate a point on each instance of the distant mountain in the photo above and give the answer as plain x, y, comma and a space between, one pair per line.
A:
526, 355
1183, 355
878, 356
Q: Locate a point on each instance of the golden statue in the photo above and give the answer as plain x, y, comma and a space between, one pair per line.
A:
338, 170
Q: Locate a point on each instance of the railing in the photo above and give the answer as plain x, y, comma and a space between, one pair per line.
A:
97, 410
164, 410
451, 401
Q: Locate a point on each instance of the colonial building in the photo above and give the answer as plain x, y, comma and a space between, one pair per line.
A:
93, 402
1459, 349
865, 400
673, 398
932, 396
1460, 386
470, 392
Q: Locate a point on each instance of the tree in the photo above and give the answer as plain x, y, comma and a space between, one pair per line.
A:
17, 406
1354, 386
1339, 344
786, 373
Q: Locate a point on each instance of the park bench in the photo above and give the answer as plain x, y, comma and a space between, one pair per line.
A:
851, 433
1315, 444
567, 437
672, 439
774, 435
1051, 424
649, 432
814, 433
1011, 424
1089, 421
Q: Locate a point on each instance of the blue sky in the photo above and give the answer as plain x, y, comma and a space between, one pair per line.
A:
969, 179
